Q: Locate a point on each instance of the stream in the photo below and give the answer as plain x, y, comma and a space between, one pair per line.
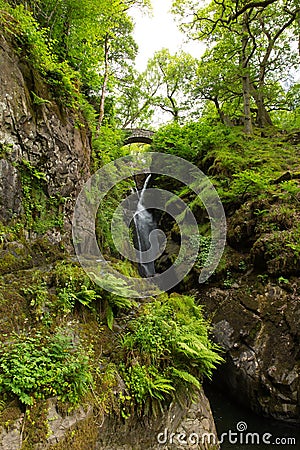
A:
228, 414
144, 223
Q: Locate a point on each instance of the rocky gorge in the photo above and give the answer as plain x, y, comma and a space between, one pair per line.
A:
252, 301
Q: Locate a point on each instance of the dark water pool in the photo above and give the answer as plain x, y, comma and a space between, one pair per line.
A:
247, 431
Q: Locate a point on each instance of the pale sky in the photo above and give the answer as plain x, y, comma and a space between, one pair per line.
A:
160, 31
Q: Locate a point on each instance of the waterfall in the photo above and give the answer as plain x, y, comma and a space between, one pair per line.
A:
144, 223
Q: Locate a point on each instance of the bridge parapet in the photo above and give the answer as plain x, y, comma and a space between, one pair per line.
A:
138, 135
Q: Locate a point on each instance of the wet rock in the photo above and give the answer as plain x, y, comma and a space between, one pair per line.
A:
223, 333
188, 426
58, 424
259, 328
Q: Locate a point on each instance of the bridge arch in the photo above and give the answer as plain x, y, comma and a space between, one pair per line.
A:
138, 135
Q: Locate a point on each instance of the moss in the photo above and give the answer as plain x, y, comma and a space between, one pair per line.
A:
11, 232
67, 273
14, 311
36, 428
44, 252
10, 262
10, 413
41, 212
83, 437
107, 385
16, 255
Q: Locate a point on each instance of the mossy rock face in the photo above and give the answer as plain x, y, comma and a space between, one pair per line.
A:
242, 225
44, 427
293, 137
269, 232
11, 420
83, 437
36, 427
44, 156
41, 427
140, 433
9, 415
16, 256
277, 253
14, 309
254, 302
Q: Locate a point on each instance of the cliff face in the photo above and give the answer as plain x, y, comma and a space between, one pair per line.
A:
258, 326
36, 135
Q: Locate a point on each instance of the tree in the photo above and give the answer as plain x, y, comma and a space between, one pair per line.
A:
119, 51
134, 101
175, 74
94, 37
273, 53
218, 81
164, 87
260, 29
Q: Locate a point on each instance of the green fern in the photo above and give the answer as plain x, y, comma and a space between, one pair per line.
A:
186, 376
167, 349
159, 386
110, 317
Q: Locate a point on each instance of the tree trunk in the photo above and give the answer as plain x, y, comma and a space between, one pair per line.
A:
105, 82
263, 117
223, 117
247, 110
246, 78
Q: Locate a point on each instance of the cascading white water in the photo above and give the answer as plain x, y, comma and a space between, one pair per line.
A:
144, 224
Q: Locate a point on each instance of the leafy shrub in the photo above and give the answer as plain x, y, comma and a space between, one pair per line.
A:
191, 141
178, 140
38, 367
250, 182
63, 80
167, 349
67, 298
73, 286
108, 146
146, 382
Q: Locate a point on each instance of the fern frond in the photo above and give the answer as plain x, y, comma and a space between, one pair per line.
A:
186, 376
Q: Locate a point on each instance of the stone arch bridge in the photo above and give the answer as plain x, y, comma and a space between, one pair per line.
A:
138, 135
